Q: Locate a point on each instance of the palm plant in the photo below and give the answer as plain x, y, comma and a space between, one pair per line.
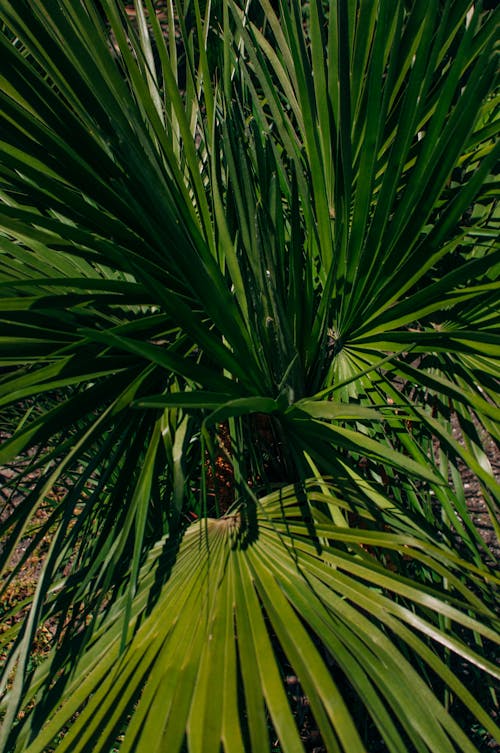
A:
249, 300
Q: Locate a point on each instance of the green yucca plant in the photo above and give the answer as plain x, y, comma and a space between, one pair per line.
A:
249, 322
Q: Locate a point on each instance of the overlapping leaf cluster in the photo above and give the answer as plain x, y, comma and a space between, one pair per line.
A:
249, 305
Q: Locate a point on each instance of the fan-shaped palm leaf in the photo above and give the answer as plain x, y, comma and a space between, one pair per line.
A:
248, 278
